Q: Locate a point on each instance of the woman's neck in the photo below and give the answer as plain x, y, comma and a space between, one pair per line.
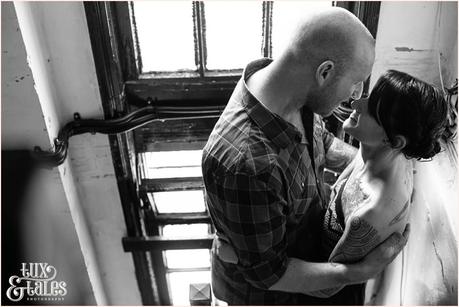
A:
379, 160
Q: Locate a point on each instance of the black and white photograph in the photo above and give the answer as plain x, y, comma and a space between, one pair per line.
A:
224, 152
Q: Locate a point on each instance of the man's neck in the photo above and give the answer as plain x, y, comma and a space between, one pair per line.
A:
277, 94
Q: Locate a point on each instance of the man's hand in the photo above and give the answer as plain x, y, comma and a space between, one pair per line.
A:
379, 257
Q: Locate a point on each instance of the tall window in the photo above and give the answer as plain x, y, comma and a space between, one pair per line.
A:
198, 39
175, 55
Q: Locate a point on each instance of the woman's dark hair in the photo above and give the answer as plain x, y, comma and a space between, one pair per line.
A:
404, 105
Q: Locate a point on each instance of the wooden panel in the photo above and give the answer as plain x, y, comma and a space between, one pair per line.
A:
186, 134
159, 243
216, 90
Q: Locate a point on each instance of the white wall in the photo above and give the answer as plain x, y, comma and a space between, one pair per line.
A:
410, 37
81, 206
420, 38
23, 125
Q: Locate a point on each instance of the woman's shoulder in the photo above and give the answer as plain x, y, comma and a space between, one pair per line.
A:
387, 211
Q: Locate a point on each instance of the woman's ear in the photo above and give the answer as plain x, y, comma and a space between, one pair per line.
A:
399, 142
325, 71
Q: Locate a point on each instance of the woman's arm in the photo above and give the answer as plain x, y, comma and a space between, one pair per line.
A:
358, 239
365, 230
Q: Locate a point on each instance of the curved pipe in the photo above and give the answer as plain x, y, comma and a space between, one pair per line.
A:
123, 124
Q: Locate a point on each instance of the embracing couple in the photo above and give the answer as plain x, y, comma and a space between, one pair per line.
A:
283, 237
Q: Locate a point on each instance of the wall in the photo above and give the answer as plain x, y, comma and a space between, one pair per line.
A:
414, 37
420, 38
22, 123
74, 212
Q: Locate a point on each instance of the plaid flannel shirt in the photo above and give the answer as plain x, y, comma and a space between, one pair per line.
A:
261, 189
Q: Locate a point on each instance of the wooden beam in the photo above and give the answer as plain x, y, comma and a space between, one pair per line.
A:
152, 243
182, 218
171, 184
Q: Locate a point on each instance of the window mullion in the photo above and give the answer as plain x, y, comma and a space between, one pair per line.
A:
135, 39
199, 36
266, 48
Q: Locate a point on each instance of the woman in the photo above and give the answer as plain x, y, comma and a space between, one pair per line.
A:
403, 119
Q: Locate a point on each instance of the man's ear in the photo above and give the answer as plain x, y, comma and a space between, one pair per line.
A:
399, 142
325, 71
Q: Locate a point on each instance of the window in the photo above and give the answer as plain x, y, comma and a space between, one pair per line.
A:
177, 212
206, 38
184, 59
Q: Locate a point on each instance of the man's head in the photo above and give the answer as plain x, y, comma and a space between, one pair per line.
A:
332, 52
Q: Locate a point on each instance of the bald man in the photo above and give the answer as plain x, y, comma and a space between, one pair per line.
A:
263, 168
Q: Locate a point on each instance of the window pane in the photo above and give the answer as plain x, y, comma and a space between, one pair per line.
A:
285, 15
188, 230
172, 164
179, 285
233, 33
179, 201
165, 32
187, 258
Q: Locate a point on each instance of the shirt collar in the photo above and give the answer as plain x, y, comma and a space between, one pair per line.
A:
278, 130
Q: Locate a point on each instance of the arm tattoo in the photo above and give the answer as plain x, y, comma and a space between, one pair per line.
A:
355, 243
339, 155
401, 214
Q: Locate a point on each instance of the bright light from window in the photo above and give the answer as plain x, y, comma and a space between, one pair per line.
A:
285, 16
233, 33
187, 230
179, 201
165, 32
179, 285
172, 164
187, 258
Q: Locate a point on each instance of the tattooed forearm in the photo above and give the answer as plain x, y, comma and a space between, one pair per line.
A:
339, 155
401, 215
356, 241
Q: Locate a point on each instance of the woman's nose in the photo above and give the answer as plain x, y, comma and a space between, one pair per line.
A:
357, 91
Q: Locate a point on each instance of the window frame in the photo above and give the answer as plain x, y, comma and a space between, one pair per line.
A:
123, 89
200, 38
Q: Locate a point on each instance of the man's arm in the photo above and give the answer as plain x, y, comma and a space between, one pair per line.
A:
325, 279
311, 278
339, 155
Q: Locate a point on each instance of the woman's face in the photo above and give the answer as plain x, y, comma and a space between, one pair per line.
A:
362, 126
